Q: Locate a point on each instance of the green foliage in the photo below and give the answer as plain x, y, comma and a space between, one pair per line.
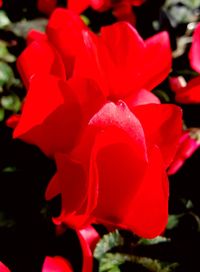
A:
4, 53
173, 221
111, 262
4, 20
11, 102
108, 242
6, 74
22, 28
157, 240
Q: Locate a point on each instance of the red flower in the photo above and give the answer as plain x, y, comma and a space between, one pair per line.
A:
3, 268
70, 73
119, 169
188, 144
113, 152
56, 264
186, 93
194, 53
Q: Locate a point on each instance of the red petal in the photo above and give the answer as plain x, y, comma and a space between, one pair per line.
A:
53, 188
162, 126
13, 120
4, 268
56, 264
88, 238
78, 5
35, 35
141, 98
39, 58
194, 53
190, 94
147, 214
51, 116
110, 61
73, 183
121, 60
121, 164
64, 30
89, 95
158, 60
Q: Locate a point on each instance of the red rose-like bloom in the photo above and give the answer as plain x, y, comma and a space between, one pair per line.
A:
186, 93
56, 264
119, 169
69, 73
188, 144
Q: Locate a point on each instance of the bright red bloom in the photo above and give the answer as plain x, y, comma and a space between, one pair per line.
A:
56, 264
3, 268
69, 79
188, 144
119, 168
111, 149
186, 93
194, 53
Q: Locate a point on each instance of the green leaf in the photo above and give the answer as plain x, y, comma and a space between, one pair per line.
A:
9, 169
157, 240
193, 4
22, 28
11, 102
5, 54
4, 20
108, 242
6, 74
173, 221
112, 261
2, 114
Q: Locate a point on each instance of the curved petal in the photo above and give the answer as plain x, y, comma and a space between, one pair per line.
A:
194, 53
142, 97
162, 126
51, 117
123, 60
53, 189
56, 264
78, 5
121, 164
36, 36
112, 62
88, 238
73, 183
190, 94
64, 31
39, 58
4, 268
158, 60
147, 213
